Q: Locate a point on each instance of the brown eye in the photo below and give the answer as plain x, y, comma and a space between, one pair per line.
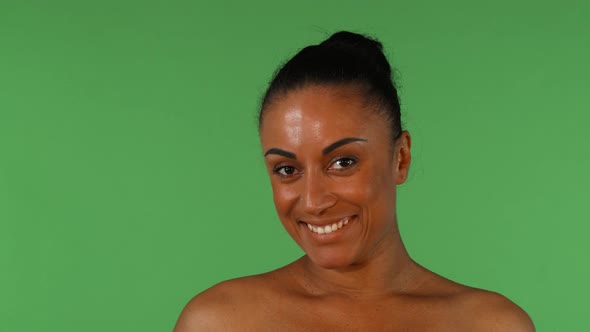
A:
343, 163
285, 171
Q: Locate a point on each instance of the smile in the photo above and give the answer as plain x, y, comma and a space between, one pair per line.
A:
329, 228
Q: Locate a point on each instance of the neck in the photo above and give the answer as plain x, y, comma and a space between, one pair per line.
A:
386, 272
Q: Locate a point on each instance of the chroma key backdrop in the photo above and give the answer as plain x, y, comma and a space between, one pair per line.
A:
131, 176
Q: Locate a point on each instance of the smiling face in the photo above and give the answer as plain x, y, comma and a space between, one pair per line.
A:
333, 173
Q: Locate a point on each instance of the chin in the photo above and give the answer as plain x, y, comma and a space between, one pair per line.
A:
330, 260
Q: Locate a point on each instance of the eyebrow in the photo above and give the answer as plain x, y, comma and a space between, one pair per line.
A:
325, 151
280, 152
340, 143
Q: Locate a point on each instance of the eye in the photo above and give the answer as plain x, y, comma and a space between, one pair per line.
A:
343, 163
285, 171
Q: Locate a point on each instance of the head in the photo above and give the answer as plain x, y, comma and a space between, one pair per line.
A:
335, 150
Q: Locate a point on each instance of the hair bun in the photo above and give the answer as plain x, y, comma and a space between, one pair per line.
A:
363, 48
353, 40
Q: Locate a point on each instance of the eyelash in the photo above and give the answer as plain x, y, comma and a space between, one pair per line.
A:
277, 170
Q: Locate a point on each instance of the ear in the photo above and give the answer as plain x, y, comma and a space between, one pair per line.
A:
403, 157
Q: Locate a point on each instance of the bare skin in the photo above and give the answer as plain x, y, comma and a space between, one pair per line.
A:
331, 161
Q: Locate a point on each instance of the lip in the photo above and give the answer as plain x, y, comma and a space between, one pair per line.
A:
321, 223
328, 237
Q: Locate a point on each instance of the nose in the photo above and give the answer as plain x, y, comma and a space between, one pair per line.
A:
316, 196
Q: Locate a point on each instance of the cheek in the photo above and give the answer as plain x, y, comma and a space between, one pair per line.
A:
361, 187
383, 201
374, 191
284, 197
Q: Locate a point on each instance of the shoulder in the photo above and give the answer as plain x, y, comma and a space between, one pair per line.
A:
490, 311
474, 309
226, 306
206, 311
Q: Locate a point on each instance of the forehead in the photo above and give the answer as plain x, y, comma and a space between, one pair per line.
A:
320, 114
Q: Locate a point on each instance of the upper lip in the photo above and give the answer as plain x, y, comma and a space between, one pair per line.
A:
324, 222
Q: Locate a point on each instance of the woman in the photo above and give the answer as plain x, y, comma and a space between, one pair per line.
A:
334, 148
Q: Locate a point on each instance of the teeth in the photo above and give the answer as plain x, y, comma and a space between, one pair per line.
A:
328, 228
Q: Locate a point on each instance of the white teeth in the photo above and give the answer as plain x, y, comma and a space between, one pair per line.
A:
328, 228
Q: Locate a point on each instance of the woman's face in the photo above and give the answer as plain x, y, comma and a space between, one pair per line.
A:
333, 173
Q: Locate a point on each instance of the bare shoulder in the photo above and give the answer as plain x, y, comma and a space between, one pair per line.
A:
235, 305
226, 306
490, 311
474, 309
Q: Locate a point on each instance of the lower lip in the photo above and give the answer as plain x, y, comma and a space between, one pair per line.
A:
333, 236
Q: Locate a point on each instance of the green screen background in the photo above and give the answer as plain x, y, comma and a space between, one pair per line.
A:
131, 175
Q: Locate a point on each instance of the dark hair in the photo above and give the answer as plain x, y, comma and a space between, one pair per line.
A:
345, 58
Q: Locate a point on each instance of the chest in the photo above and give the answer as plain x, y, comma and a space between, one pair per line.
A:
351, 316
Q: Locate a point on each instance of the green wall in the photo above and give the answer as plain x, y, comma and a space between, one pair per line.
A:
131, 177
